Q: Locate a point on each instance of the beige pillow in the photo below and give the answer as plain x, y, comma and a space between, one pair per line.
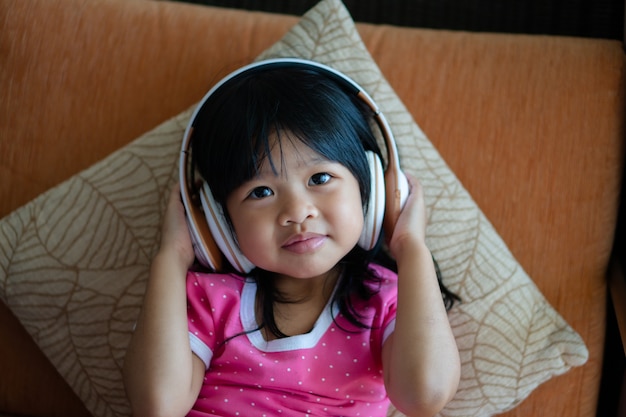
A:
74, 262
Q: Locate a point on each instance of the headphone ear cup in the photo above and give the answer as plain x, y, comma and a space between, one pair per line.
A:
220, 230
374, 215
206, 251
204, 246
397, 191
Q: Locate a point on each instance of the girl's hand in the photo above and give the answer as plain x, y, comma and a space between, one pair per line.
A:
175, 238
410, 228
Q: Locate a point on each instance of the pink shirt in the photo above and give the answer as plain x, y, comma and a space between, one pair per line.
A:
326, 372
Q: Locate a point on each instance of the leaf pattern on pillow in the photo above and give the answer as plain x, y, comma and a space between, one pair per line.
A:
74, 262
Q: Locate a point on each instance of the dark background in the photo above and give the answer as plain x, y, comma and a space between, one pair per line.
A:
585, 18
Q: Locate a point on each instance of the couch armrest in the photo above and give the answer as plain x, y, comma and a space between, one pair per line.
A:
617, 290
613, 385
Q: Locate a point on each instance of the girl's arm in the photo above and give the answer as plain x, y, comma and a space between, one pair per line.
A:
420, 358
161, 374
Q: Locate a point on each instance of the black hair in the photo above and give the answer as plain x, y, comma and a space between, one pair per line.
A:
233, 134
233, 130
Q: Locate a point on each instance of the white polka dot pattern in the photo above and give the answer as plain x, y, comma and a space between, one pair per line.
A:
333, 370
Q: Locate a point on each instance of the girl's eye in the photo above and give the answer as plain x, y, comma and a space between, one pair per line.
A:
261, 192
320, 178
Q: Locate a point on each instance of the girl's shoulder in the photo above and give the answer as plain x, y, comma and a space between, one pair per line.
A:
386, 275
385, 287
214, 281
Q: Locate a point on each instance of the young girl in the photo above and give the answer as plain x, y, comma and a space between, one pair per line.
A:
319, 326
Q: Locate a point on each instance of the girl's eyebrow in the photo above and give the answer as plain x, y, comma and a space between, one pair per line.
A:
310, 160
316, 161
321, 160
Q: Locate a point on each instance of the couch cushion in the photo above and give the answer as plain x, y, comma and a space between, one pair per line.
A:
48, 203
86, 97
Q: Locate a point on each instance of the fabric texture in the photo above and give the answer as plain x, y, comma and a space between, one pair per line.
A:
335, 369
76, 259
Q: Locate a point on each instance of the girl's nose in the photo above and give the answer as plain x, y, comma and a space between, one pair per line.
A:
296, 209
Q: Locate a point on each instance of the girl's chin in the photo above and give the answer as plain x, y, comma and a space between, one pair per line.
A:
304, 271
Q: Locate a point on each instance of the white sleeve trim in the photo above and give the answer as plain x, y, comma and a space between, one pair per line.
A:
389, 329
200, 349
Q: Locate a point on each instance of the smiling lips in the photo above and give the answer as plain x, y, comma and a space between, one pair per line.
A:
304, 243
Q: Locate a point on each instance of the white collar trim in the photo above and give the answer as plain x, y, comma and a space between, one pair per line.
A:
301, 341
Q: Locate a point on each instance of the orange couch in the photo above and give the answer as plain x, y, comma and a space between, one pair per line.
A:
546, 168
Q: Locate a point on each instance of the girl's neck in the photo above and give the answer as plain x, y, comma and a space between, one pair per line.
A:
299, 290
300, 304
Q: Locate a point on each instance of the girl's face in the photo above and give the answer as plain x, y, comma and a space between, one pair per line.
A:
301, 218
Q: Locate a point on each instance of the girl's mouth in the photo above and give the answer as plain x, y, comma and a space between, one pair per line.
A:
304, 243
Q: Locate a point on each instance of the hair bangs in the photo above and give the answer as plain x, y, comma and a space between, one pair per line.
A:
249, 115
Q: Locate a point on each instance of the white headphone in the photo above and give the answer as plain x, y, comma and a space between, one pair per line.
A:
210, 233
